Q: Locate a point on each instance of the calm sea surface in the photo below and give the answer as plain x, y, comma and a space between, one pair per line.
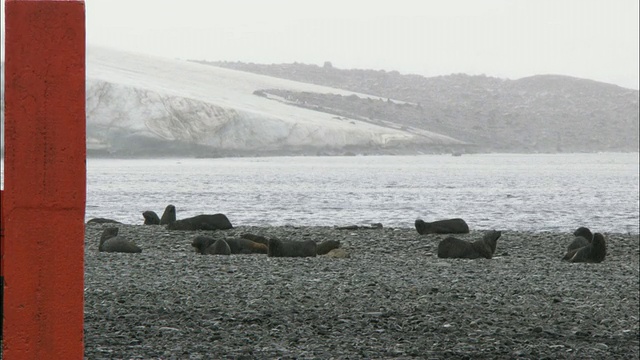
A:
537, 192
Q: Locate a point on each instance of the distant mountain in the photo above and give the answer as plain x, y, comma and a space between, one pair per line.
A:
143, 106
545, 113
151, 107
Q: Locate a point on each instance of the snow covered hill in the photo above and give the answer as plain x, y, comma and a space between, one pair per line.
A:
139, 105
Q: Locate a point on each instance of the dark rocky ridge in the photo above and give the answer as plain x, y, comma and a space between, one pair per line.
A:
545, 113
392, 299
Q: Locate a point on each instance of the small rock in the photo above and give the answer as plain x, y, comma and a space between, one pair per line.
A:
339, 253
166, 328
374, 313
537, 329
606, 322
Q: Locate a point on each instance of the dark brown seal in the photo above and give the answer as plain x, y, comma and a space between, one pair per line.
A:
202, 222
584, 232
169, 215
461, 249
151, 218
201, 243
595, 252
583, 237
282, 248
219, 247
245, 246
111, 242
257, 238
374, 226
447, 226
326, 246
236, 246
103, 221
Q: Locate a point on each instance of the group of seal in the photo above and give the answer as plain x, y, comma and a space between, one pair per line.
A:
206, 245
257, 244
454, 248
168, 216
586, 247
150, 217
198, 222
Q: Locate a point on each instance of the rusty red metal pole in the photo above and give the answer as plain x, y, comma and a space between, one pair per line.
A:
1, 264
44, 179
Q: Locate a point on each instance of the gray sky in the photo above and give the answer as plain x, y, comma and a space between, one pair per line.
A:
594, 39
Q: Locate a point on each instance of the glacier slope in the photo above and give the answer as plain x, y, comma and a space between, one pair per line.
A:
136, 101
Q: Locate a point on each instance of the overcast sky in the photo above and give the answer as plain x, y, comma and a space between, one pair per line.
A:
594, 39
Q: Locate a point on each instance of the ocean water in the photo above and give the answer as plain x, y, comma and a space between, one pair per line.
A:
527, 192
533, 192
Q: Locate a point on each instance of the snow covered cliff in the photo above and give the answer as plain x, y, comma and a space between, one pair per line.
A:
140, 105
143, 105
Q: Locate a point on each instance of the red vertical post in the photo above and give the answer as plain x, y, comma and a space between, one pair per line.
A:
1, 265
44, 179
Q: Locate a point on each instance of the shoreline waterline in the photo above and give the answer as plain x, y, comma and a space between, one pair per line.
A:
521, 192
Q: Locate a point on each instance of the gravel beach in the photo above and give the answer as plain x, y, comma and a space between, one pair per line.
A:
392, 298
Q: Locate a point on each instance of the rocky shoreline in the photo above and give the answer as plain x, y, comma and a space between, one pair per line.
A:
391, 298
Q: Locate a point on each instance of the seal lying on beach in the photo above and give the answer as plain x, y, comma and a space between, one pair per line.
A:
236, 246
111, 242
282, 248
169, 215
448, 226
326, 246
583, 238
151, 218
219, 247
201, 243
245, 246
595, 252
202, 222
461, 249
375, 226
257, 238
103, 221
